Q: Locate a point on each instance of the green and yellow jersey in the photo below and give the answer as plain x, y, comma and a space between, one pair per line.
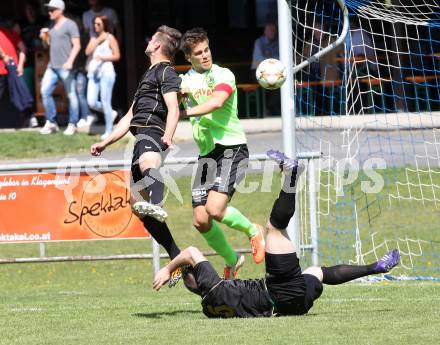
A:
222, 126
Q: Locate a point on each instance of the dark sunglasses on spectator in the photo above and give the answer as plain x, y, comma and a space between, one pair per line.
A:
51, 9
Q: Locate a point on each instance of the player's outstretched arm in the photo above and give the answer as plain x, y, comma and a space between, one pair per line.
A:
189, 256
215, 102
118, 132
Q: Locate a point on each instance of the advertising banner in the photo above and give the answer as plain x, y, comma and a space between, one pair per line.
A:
49, 207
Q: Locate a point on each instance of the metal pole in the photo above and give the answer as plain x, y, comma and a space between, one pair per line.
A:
111, 165
287, 91
101, 257
42, 250
156, 255
287, 98
312, 210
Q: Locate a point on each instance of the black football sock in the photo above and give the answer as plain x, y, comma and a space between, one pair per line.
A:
339, 274
155, 186
284, 207
161, 233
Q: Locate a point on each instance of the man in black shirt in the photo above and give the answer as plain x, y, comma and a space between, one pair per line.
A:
285, 290
152, 119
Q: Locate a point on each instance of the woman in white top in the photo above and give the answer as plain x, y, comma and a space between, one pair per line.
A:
104, 49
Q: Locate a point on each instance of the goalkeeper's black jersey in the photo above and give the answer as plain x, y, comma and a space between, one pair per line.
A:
238, 298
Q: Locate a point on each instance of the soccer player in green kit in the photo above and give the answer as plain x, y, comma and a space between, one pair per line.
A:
211, 104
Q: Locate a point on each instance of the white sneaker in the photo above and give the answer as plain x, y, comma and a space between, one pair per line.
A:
104, 136
33, 122
144, 208
81, 123
49, 128
70, 130
91, 119
114, 115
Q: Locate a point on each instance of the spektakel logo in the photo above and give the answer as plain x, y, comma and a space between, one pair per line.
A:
104, 207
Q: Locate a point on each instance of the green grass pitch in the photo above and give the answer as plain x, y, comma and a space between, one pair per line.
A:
112, 302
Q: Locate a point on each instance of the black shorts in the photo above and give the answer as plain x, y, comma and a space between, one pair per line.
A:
220, 170
148, 139
291, 291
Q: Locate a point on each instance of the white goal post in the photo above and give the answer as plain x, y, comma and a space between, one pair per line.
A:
288, 110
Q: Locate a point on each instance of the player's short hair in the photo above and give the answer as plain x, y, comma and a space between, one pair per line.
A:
170, 40
192, 37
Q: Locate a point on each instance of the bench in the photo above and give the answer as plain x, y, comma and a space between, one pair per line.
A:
421, 90
254, 92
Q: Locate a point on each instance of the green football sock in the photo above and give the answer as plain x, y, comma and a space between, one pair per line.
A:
236, 220
217, 241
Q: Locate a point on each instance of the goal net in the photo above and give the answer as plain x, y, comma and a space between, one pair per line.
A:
372, 107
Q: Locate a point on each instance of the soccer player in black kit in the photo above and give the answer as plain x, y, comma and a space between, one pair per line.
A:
285, 290
152, 119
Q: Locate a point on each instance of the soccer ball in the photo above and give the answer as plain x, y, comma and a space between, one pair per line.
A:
271, 74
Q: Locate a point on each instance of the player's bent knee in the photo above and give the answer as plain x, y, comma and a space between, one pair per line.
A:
149, 160
201, 223
280, 217
314, 271
215, 212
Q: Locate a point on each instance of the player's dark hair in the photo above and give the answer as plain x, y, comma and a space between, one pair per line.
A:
170, 39
192, 37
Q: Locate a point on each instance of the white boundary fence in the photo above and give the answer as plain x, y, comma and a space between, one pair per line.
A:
111, 165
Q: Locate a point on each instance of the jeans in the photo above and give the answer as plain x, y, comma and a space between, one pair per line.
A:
102, 87
81, 91
48, 84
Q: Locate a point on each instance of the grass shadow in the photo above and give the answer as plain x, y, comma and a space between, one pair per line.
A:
159, 315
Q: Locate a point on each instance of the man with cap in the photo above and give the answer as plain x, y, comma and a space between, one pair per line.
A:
64, 46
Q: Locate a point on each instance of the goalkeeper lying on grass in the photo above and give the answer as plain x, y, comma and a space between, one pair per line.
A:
285, 290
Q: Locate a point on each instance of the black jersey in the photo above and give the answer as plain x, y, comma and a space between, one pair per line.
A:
238, 298
149, 108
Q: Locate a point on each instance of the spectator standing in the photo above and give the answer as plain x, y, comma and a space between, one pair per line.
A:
28, 28
86, 119
18, 90
98, 10
266, 46
12, 59
64, 46
101, 75
11, 45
